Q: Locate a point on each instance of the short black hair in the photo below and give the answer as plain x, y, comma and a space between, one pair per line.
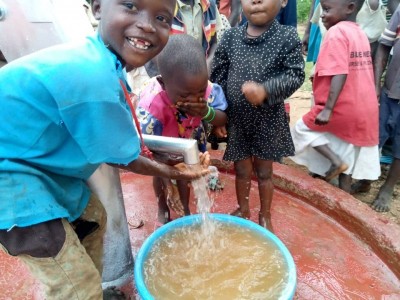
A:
182, 54
358, 3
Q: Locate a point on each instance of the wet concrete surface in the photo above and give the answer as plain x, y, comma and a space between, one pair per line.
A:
334, 259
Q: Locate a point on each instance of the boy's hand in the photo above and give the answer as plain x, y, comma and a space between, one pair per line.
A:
194, 172
254, 92
220, 131
193, 107
323, 117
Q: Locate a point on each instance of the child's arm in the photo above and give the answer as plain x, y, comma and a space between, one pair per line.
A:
143, 165
382, 55
292, 75
220, 63
336, 87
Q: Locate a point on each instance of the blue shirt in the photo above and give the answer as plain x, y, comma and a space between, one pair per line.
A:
62, 114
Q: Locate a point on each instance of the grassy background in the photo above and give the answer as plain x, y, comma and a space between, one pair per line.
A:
303, 9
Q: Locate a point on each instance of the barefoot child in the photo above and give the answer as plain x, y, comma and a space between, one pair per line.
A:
389, 110
339, 136
174, 104
258, 65
63, 114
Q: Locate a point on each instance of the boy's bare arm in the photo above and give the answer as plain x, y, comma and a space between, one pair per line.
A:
382, 55
373, 4
143, 165
335, 89
236, 6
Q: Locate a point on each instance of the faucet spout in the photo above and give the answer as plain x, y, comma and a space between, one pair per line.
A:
185, 147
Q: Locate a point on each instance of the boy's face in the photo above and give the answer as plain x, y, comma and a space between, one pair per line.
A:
135, 30
334, 11
262, 12
186, 88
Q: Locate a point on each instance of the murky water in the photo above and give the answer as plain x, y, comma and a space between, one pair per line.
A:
230, 263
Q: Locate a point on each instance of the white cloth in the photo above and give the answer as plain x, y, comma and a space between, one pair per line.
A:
363, 162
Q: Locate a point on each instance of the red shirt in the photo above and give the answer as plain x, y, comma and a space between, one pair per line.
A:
346, 50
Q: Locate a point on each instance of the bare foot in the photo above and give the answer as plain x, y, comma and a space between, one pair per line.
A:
382, 202
241, 214
361, 186
265, 222
335, 170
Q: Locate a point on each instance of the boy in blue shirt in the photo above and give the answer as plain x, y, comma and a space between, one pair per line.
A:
58, 127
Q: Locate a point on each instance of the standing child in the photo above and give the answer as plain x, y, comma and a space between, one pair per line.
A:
389, 109
63, 114
258, 65
174, 105
339, 136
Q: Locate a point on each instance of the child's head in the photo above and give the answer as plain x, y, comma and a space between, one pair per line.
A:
262, 13
334, 11
183, 68
135, 30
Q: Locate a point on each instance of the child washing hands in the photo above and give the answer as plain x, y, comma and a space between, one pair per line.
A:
174, 104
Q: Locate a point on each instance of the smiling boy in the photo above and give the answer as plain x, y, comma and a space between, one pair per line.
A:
63, 114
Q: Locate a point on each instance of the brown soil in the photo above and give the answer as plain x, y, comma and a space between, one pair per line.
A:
300, 104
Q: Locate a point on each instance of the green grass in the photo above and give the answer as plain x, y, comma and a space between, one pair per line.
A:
303, 9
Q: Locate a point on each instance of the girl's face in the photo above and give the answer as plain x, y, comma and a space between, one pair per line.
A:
134, 30
334, 11
186, 88
261, 13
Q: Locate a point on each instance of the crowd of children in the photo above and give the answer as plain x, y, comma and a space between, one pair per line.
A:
253, 68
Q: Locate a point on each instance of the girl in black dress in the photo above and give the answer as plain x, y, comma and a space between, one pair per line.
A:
258, 65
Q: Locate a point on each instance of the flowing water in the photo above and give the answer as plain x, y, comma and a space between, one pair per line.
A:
214, 260
235, 263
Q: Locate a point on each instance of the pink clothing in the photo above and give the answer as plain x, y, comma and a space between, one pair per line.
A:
225, 7
346, 50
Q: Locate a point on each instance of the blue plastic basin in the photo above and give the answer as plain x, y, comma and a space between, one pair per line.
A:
144, 293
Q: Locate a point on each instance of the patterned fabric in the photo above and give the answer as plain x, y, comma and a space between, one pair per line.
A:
210, 13
273, 59
158, 115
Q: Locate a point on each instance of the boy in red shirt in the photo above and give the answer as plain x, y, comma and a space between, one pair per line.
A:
339, 136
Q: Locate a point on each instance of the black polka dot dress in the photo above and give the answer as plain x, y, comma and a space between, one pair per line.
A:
273, 59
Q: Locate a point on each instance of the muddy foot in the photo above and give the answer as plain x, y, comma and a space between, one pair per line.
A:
382, 202
335, 171
265, 222
113, 293
238, 213
361, 186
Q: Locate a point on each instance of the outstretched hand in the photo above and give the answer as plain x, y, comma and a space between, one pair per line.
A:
186, 172
323, 117
254, 92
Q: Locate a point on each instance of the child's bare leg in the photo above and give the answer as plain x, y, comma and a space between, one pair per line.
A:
243, 170
263, 169
184, 194
338, 166
384, 198
345, 182
163, 209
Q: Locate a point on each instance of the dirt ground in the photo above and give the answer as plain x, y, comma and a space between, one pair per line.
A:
300, 104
